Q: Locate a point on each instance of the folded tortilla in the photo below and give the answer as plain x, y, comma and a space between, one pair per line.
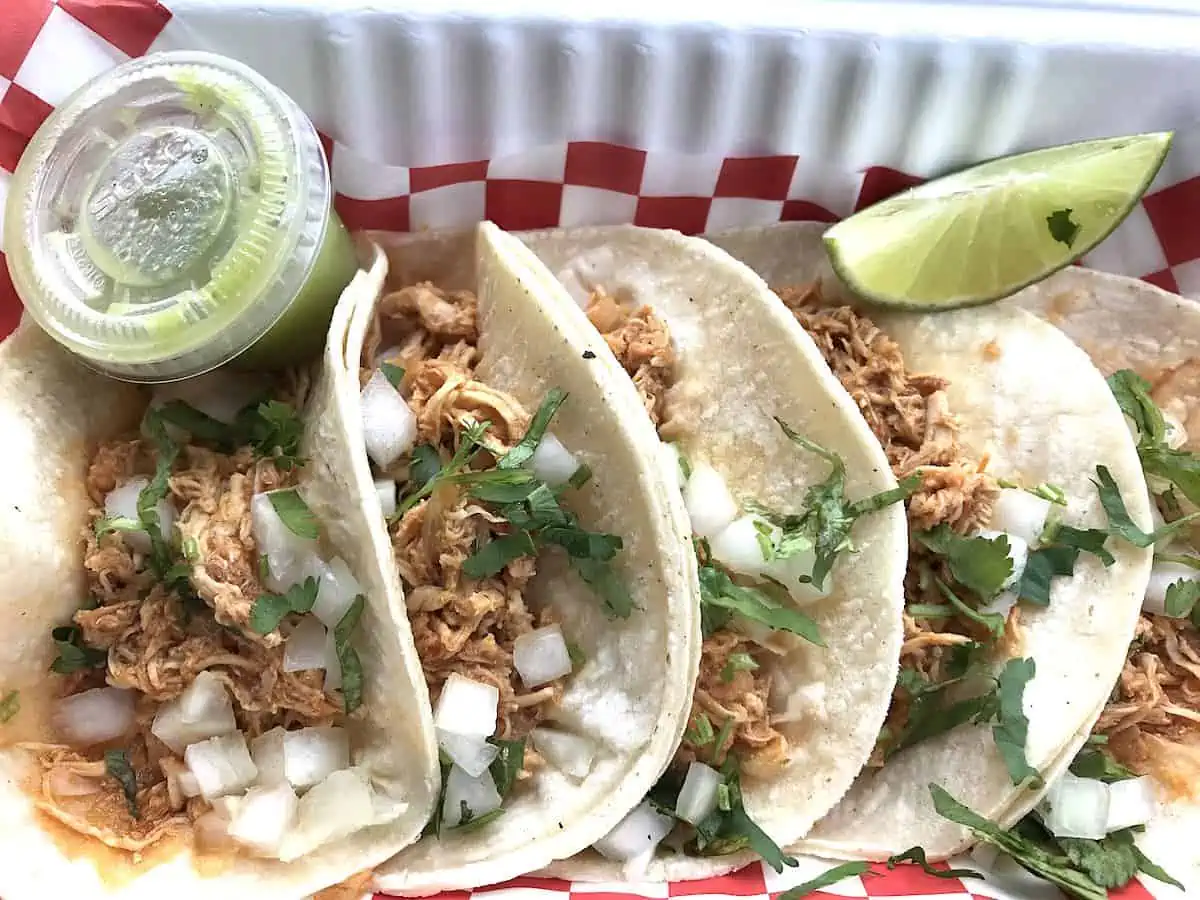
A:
1030, 403
741, 361
54, 413
628, 697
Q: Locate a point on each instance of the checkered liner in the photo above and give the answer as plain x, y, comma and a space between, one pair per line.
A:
48, 48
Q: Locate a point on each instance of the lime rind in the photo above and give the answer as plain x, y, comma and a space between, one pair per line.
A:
982, 234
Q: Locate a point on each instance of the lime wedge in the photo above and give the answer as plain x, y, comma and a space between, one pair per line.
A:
990, 230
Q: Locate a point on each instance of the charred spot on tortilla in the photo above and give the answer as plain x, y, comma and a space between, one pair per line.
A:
589, 354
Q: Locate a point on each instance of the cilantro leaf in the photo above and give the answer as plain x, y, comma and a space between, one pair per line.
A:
295, 514
1041, 566
1035, 857
393, 373
348, 659
993, 622
729, 827
916, 856
1109, 862
275, 431
116, 765
719, 592
433, 473
523, 450
1180, 467
700, 731
1147, 866
979, 564
1011, 732
826, 879
829, 515
1062, 228
1181, 597
471, 822
1132, 393
737, 662
424, 466
107, 524
1119, 521
269, 609
507, 765
493, 556
1099, 765
156, 491
73, 654
10, 705
600, 577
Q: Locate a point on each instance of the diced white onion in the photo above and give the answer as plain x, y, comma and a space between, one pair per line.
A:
121, 502
1001, 604
698, 796
306, 647
385, 489
478, 793
709, 504
264, 818
552, 462
640, 831
571, 754
389, 424
188, 785
203, 710
267, 752
739, 547
95, 716
470, 752
220, 394
1076, 807
311, 754
1020, 513
1018, 552
541, 655
339, 806
1130, 802
1176, 433
467, 707
1162, 576
338, 588
290, 558
222, 765
226, 807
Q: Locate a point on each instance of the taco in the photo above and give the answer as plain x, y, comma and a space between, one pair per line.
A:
1147, 341
799, 540
1022, 455
551, 599
207, 688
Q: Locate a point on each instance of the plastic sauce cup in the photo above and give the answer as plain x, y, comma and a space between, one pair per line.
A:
173, 215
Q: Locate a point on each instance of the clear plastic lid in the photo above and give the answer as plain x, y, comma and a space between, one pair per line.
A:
165, 216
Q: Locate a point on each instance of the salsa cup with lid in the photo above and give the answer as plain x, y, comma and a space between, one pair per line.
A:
176, 214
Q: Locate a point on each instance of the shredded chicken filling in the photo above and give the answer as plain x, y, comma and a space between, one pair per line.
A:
157, 640
1152, 719
460, 624
641, 342
911, 418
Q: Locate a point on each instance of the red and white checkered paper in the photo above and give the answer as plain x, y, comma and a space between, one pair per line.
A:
48, 48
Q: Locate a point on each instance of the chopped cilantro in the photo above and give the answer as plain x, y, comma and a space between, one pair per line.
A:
576, 655
1062, 228
1181, 598
824, 526
737, 662
1086, 540
1192, 562
117, 765
161, 555
1011, 731
993, 622
601, 578
425, 465
685, 465
523, 450
107, 524
916, 856
295, 514
1179, 467
269, 609
493, 556
470, 440
73, 654
270, 428
1046, 491
200, 425
826, 879
580, 477
471, 822
507, 765
393, 373
1099, 765
929, 610
1041, 567
351, 665
979, 564
10, 705
729, 828
720, 597
701, 733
